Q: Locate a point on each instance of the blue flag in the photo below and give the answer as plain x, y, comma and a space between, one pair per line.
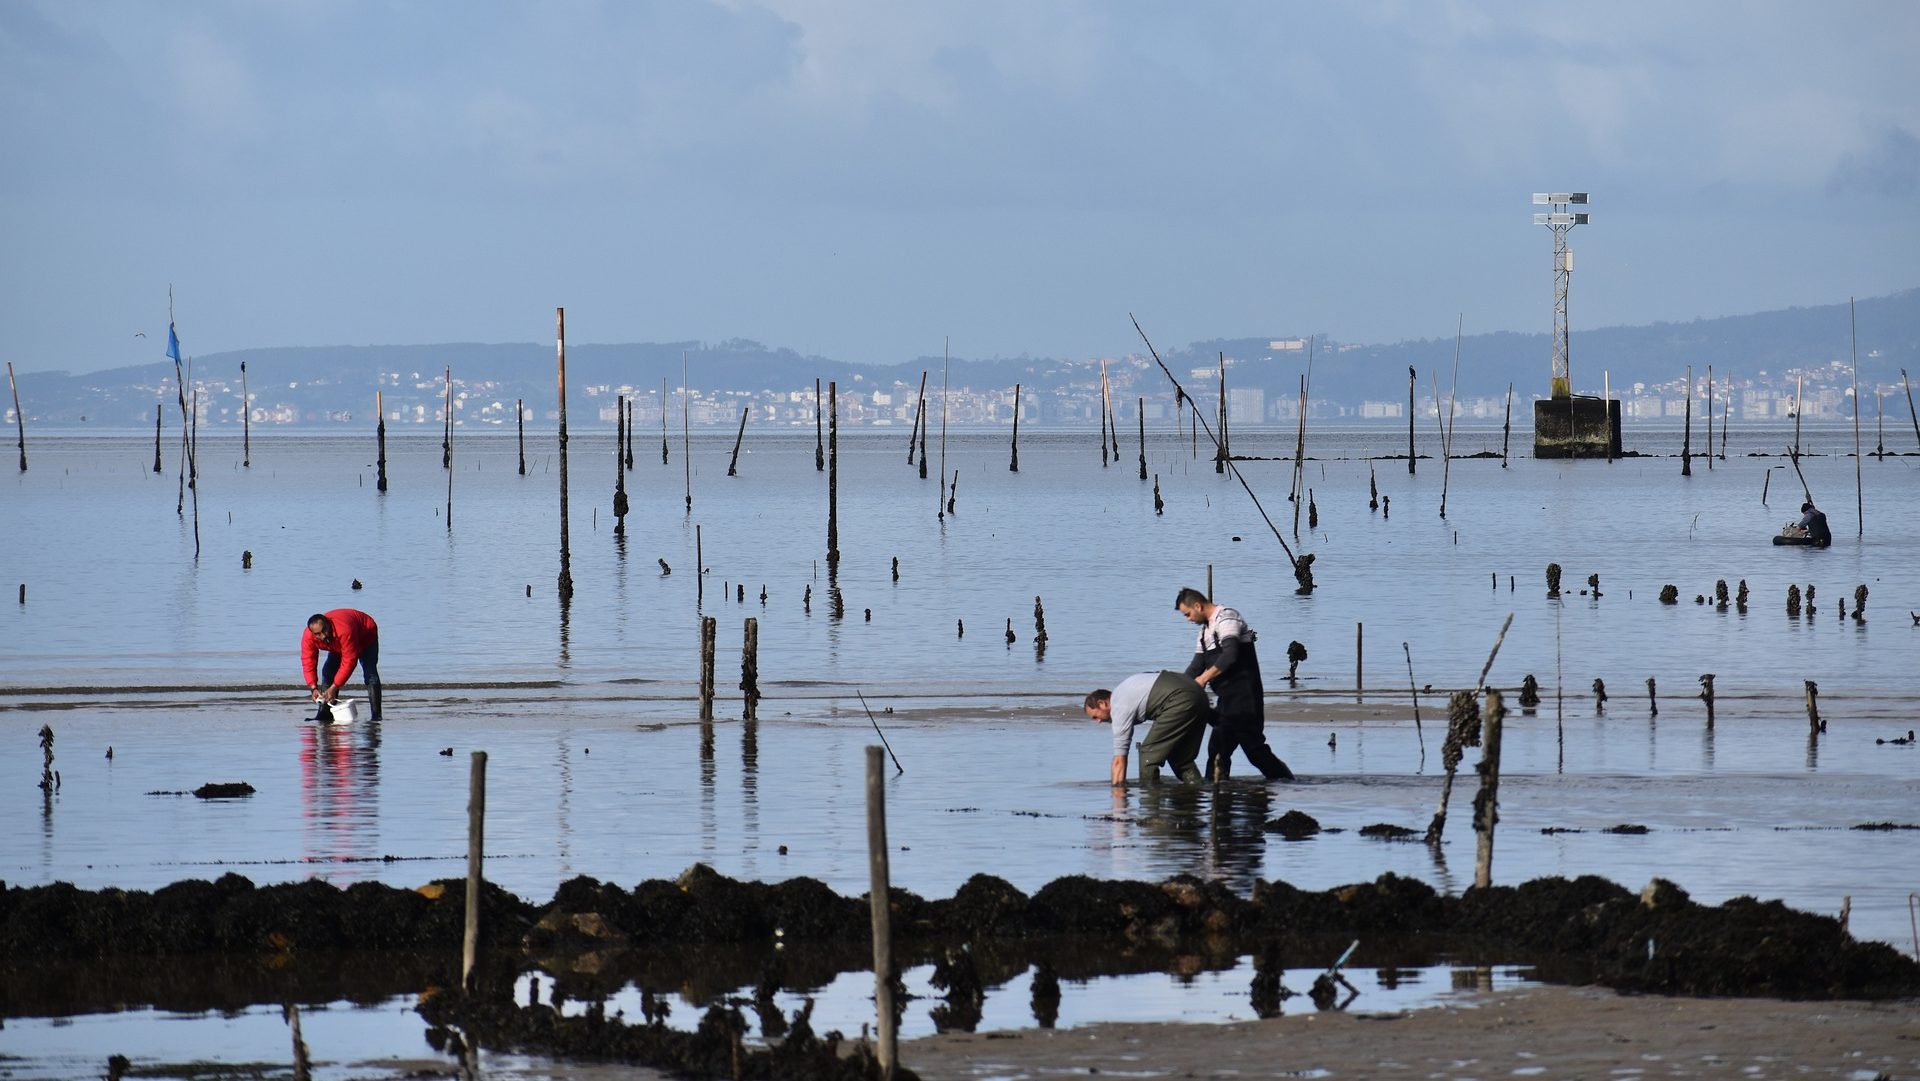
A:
173, 344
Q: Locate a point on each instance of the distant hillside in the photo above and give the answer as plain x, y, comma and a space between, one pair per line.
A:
321, 383
1744, 345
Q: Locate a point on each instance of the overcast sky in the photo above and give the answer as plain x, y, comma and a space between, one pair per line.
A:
861, 179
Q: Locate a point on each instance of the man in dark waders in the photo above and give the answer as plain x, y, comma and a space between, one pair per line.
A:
1224, 659
1175, 705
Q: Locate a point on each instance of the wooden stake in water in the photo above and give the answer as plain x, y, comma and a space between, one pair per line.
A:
246, 421
156, 436
833, 475
1359, 657
566, 551
708, 632
919, 417
924, 425
750, 671
1417, 730
1221, 453
1506, 429
1859, 485
953, 491
446, 423
733, 465
380, 444
686, 429
476, 852
946, 367
620, 504
629, 434
19, 417
699, 570
520, 426
1013, 464
1103, 419
1453, 397
447, 455
1486, 804
1911, 415
663, 412
1709, 417
1686, 444
1411, 376
880, 894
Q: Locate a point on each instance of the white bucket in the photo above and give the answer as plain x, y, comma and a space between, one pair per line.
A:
347, 711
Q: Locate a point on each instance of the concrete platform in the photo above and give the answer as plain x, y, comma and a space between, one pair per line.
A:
1576, 427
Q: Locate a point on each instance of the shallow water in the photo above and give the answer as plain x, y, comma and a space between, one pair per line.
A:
599, 766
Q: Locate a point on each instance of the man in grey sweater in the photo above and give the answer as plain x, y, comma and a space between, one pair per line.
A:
1178, 710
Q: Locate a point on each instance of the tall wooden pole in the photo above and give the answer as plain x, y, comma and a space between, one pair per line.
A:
476, 852
833, 474
919, 417
446, 428
663, 416
1686, 444
380, 442
1859, 484
1486, 804
19, 417
1299, 457
733, 466
924, 425
566, 552
1726, 414
448, 454
156, 436
1013, 464
1506, 428
520, 426
1606, 410
1410, 377
686, 429
1709, 417
1221, 453
946, 364
819, 437
629, 461
1103, 418
1911, 415
620, 503
246, 421
880, 896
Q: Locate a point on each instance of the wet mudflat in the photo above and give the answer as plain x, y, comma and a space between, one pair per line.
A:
599, 767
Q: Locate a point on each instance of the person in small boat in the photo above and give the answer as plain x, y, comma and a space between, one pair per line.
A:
1813, 524
349, 637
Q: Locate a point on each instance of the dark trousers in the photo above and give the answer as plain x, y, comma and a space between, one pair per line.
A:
369, 670
1244, 731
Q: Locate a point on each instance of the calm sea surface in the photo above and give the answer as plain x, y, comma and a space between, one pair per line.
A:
599, 766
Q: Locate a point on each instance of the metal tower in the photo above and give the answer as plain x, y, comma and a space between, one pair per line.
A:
1560, 220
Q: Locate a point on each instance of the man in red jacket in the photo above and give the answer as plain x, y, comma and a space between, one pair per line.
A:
350, 637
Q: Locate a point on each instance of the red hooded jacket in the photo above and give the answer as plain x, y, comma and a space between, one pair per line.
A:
353, 632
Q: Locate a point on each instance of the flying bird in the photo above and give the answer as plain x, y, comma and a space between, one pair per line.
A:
139, 334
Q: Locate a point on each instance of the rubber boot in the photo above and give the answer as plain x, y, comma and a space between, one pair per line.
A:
1267, 762
1189, 773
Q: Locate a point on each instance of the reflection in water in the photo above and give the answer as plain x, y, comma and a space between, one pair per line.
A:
566, 631
339, 793
750, 794
709, 829
564, 826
